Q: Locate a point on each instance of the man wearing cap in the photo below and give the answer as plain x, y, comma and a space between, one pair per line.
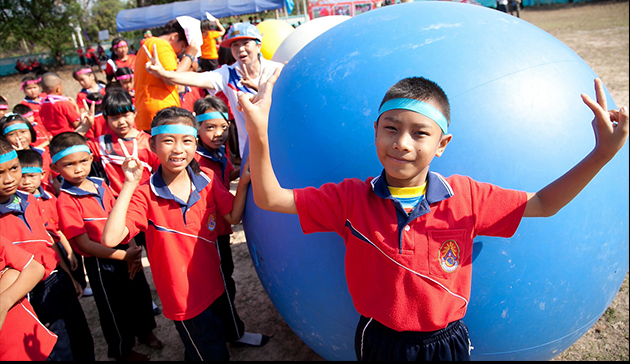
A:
154, 93
244, 40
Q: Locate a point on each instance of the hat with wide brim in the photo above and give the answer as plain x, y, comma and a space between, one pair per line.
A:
241, 31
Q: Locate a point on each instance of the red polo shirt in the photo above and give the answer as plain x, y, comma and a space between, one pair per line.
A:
181, 241
58, 114
23, 336
410, 272
108, 152
48, 205
222, 167
86, 212
22, 224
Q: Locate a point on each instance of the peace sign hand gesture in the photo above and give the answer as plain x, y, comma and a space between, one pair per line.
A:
153, 66
87, 118
132, 166
610, 126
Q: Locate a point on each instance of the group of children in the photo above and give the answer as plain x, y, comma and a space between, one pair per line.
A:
168, 190
62, 171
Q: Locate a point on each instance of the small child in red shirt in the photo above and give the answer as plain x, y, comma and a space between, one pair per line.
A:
178, 211
33, 95
119, 115
124, 77
211, 114
32, 175
42, 136
121, 292
19, 274
58, 113
89, 83
412, 300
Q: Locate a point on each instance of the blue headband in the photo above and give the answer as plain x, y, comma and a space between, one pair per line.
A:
212, 115
31, 170
70, 150
13, 127
419, 107
174, 129
8, 156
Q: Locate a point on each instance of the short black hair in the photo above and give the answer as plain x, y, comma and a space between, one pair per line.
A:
209, 102
173, 26
22, 109
65, 140
30, 158
97, 99
5, 146
117, 101
419, 88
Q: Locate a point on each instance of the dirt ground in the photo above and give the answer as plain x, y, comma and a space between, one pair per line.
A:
597, 31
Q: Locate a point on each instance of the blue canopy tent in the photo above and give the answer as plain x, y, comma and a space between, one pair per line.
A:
158, 15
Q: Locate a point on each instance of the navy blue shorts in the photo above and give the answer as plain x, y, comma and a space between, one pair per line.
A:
375, 341
204, 335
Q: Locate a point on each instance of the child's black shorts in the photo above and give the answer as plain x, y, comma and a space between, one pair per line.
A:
375, 341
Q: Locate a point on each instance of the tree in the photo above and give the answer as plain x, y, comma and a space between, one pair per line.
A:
44, 22
101, 16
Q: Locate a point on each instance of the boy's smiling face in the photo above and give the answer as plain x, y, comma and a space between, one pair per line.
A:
406, 143
74, 167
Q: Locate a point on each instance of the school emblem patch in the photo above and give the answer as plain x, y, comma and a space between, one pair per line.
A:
212, 222
449, 256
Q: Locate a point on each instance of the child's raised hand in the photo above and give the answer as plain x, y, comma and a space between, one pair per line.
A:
153, 66
610, 126
246, 79
256, 108
87, 117
132, 167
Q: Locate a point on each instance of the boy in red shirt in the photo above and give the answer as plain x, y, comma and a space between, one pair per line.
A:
33, 95
55, 297
422, 295
31, 182
115, 274
58, 113
19, 274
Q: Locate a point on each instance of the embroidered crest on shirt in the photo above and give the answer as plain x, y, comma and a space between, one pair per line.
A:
449, 256
212, 223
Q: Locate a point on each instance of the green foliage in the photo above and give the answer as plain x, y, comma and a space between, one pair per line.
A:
40, 22
101, 16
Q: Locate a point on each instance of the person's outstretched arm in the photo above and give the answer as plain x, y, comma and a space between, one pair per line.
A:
268, 194
611, 133
177, 77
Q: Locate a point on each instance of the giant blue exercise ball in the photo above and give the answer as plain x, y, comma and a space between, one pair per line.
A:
517, 121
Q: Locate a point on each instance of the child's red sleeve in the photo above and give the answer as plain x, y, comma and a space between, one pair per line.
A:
13, 256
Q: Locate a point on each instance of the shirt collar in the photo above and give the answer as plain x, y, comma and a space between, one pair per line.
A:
18, 197
44, 195
160, 189
437, 187
76, 191
220, 157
